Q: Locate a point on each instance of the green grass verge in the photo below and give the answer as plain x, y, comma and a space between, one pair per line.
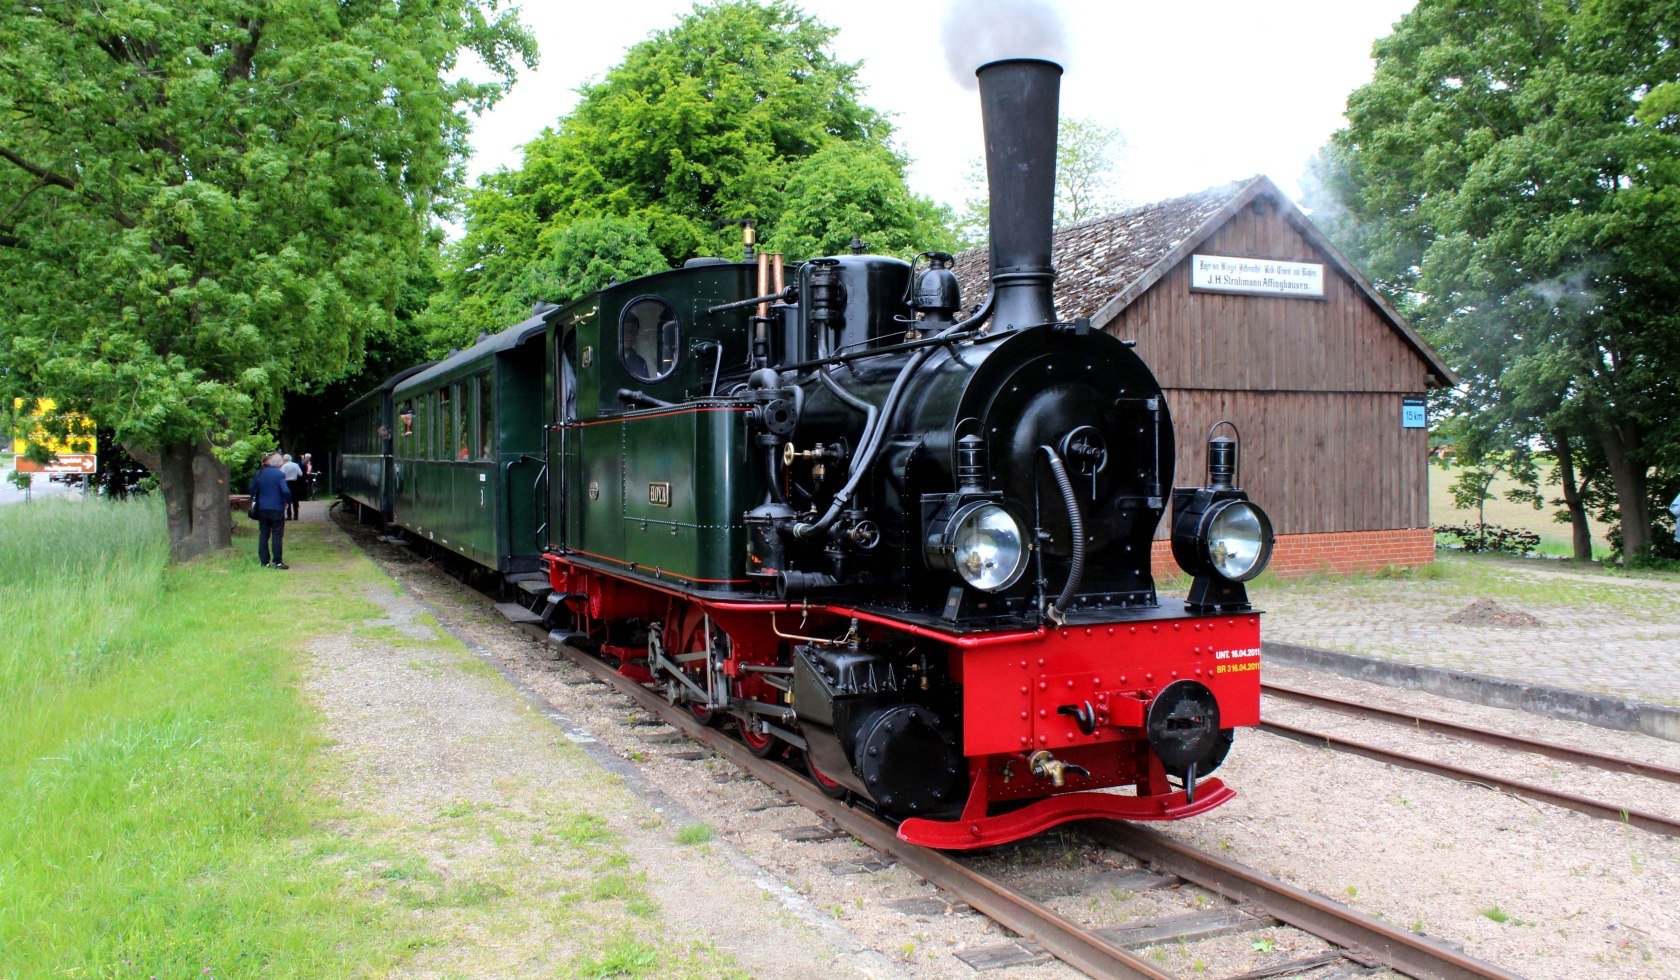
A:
157, 800
1455, 577
167, 809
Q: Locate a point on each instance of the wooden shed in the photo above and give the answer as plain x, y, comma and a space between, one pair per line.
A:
1246, 312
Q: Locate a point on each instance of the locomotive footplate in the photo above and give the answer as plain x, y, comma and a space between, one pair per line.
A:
1050, 719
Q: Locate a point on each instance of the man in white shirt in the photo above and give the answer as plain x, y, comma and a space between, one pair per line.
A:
292, 472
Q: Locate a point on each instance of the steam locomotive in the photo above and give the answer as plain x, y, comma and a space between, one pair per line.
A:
906, 546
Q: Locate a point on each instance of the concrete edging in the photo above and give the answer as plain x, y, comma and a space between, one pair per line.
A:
1602, 710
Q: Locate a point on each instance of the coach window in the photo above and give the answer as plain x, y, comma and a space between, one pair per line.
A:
463, 422
648, 338
433, 420
446, 424
486, 418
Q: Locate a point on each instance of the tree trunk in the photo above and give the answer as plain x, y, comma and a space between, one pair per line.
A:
1577, 507
1621, 444
194, 484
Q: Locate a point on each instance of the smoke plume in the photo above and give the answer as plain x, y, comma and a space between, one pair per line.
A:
981, 31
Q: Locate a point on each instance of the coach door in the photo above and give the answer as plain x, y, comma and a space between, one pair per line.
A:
521, 412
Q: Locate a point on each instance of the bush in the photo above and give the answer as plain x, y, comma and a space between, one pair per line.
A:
1496, 538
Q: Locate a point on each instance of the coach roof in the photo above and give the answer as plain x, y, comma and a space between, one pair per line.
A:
520, 333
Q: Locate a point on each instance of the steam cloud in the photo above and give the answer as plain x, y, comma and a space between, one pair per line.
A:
980, 31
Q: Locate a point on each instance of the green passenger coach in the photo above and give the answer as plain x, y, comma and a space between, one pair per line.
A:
467, 457
365, 471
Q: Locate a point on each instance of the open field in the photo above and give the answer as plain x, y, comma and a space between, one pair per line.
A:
174, 802
1554, 537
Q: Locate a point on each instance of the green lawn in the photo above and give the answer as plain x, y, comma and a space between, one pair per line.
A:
168, 809
1555, 538
158, 806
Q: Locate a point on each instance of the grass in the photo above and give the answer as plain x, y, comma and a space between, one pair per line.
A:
157, 811
1555, 538
167, 809
697, 833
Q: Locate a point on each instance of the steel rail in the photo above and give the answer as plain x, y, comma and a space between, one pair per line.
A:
1067, 941
1655, 823
1428, 723
1365, 936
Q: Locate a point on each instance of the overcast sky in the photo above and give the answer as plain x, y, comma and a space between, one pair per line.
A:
1204, 92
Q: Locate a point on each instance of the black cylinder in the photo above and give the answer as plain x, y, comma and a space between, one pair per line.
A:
1222, 461
1018, 100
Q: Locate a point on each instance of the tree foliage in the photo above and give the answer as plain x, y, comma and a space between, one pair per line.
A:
1087, 162
1509, 177
739, 111
206, 205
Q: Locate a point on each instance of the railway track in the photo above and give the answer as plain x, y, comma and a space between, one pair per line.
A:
1655, 823
1254, 900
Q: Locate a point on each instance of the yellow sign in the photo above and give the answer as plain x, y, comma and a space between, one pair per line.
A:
68, 436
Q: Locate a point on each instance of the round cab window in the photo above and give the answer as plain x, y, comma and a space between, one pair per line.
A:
648, 338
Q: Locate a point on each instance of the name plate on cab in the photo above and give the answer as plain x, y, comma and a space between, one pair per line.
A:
659, 494
1256, 277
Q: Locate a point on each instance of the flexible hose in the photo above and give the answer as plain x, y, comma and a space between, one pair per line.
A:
874, 434
1076, 527
847, 397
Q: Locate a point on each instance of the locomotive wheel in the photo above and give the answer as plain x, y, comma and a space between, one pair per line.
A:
764, 745
829, 787
690, 631
751, 687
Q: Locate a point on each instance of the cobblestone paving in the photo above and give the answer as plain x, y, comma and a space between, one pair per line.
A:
1598, 632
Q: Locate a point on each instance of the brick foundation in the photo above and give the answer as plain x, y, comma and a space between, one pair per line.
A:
1336, 553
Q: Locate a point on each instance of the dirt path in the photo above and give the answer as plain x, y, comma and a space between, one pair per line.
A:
517, 852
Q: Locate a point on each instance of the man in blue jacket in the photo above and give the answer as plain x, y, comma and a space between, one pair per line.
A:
269, 497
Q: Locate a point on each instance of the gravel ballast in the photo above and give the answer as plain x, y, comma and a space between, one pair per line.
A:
1539, 890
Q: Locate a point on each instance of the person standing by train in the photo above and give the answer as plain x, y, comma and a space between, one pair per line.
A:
292, 473
270, 495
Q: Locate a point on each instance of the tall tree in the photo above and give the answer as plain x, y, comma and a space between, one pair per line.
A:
727, 115
205, 205
1500, 182
1087, 163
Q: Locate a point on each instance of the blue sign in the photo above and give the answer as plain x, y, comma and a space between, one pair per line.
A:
1411, 413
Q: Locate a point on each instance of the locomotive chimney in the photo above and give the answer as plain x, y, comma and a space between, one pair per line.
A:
1018, 107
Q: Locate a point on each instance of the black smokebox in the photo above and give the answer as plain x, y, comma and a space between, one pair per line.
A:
1018, 105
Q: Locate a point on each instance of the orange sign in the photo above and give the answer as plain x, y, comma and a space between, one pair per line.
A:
67, 436
84, 463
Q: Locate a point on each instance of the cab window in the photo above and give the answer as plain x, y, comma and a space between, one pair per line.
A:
649, 338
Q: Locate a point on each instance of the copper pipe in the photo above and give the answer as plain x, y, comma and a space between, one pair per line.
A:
776, 283
764, 281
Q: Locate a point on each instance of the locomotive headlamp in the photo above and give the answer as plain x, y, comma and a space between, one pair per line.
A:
1239, 539
982, 543
1219, 536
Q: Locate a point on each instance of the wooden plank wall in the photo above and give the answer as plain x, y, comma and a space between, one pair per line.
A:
1314, 385
1268, 343
1316, 461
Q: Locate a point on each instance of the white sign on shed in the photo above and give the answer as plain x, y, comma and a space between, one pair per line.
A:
1258, 277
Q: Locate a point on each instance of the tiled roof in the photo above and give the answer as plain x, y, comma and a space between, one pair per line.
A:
1103, 264
1098, 258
